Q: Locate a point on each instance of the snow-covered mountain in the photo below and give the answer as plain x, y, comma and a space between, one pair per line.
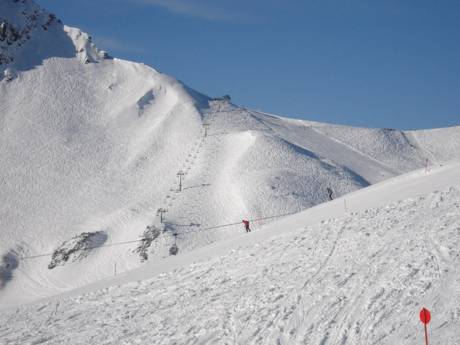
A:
328, 275
29, 35
91, 146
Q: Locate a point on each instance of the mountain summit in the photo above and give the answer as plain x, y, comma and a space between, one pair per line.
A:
29, 35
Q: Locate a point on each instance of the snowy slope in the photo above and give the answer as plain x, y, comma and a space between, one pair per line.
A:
91, 144
332, 277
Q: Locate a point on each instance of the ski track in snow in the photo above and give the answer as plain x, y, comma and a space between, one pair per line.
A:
380, 163
357, 280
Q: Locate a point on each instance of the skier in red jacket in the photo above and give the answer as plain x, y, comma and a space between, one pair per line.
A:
246, 225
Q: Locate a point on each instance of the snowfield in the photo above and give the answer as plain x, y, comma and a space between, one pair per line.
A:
92, 147
108, 164
360, 278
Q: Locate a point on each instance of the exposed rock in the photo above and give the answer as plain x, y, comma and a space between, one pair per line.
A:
25, 27
150, 234
77, 248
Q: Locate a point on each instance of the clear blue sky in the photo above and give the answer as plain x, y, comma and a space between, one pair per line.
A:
388, 63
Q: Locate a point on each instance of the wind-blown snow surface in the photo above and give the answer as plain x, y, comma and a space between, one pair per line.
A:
91, 144
358, 279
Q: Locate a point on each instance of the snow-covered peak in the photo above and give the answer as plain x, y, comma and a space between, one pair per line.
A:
29, 35
85, 49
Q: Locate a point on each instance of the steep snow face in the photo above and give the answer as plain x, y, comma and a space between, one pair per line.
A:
29, 35
360, 278
84, 148
78, 157
97, 147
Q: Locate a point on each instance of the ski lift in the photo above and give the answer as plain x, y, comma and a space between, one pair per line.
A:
174, 248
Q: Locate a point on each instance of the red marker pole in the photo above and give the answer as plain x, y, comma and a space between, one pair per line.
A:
425, 317
426, 335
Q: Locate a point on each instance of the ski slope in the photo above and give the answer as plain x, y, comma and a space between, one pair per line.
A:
328, 275
92, 144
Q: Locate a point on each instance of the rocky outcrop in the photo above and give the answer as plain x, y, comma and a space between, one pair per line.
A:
150, 234
77, 248
26, 28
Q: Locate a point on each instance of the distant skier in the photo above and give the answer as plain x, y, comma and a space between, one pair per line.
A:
329, 192
246, 225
